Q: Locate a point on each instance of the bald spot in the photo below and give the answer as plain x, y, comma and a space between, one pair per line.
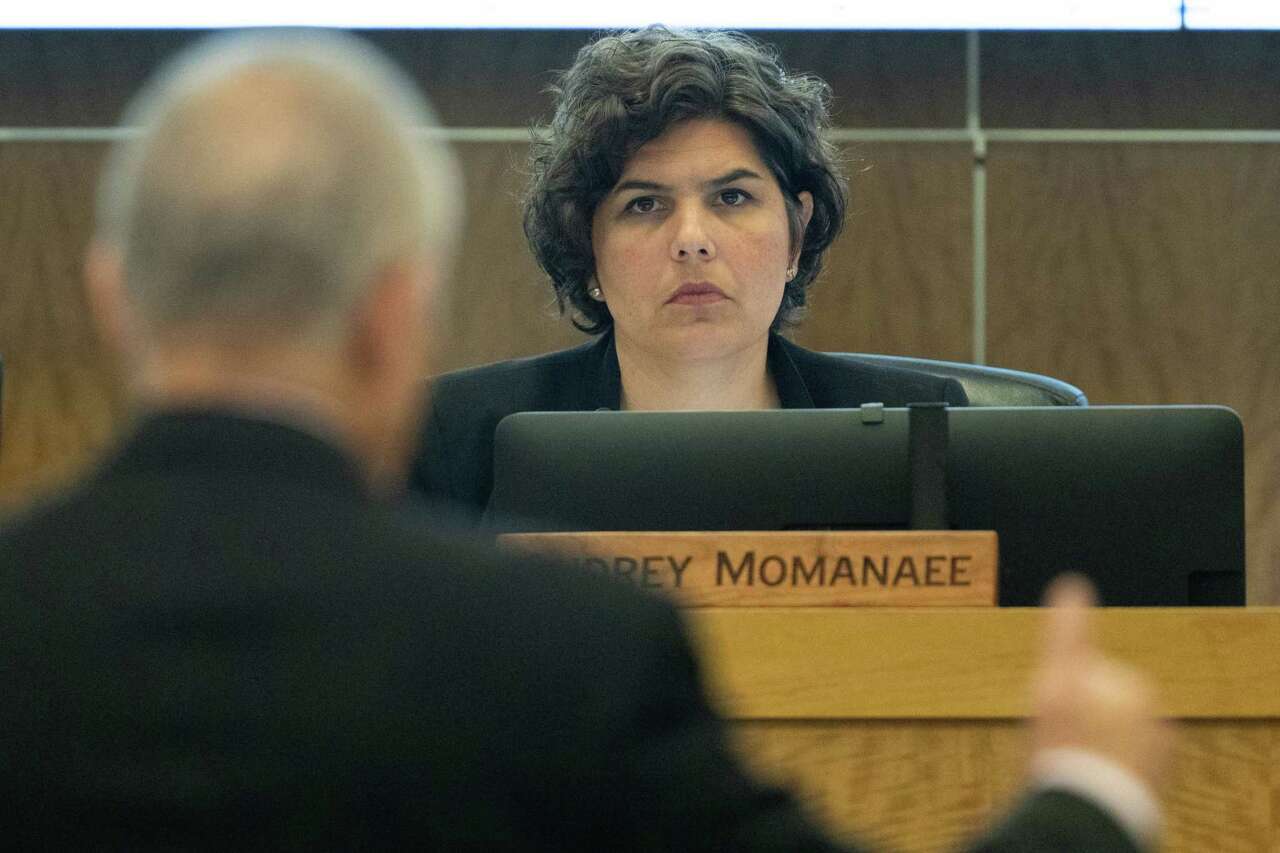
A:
266, 201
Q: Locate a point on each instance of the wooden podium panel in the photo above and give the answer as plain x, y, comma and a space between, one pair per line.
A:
905, 726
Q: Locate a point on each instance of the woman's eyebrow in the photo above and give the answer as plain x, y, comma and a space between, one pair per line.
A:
730, 177
650, 186
718, 181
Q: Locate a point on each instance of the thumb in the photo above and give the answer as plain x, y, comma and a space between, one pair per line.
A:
1067, 641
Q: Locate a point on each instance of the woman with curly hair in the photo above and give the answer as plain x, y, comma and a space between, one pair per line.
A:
681, 205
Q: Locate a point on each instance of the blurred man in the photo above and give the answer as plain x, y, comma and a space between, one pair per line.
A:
225, 639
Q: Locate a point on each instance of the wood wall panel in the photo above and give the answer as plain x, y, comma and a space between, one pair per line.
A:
84, 78
492, 78
1149, 274
502, 305
76, 78
483, 78
898, 280
889, 286
1131, 80
883, 79
922, 787
62, 397
498, 78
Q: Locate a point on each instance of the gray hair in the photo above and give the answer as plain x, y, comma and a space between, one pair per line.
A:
276, 174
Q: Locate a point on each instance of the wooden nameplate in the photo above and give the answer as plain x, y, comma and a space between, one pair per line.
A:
899, 568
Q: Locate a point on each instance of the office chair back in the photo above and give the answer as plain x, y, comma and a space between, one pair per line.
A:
990, 386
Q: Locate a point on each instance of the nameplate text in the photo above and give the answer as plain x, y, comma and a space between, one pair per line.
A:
790, 568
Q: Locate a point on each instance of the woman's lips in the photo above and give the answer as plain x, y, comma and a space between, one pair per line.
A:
697, 293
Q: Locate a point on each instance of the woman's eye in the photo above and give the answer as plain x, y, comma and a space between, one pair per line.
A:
643, 204
733, 198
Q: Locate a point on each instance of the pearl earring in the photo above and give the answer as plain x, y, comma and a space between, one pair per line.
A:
596, 293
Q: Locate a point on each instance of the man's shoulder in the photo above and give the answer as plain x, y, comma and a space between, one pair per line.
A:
529, 620
509, 675
279, 540
444, 541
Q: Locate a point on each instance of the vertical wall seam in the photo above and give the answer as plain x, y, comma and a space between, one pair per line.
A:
973, 123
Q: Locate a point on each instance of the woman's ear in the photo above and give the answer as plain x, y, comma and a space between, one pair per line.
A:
806, 209
806, 213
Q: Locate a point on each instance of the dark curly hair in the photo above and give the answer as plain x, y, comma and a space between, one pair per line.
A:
627, 88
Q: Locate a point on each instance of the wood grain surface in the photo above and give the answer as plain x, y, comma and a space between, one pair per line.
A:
484, 78
77, 78
1149, 274
62, 398
882, 79
907, 727
62, 394
898, 280
905, 786
1225, 794
501, 305
768, 663
84, 78
923, 786
1193, 80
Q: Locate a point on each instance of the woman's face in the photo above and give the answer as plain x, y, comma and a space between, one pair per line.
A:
692, 247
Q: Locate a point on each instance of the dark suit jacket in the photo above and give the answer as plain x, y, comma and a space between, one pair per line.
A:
455, 461
220, 641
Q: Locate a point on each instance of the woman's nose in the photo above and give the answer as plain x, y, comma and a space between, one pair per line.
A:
691, 240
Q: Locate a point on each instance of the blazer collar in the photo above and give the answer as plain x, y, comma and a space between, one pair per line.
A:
604, 379
793, 392
223, 443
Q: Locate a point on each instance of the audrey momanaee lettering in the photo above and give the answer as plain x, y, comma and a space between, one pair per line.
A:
867, 570
656, 571
649, 572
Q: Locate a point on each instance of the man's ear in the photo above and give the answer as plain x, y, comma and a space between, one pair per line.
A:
109, 307
389, 331
388, 357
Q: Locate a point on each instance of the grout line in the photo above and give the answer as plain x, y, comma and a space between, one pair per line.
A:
973, 82
1014, 134
979, 262
848, 134
899, 134
973, 124
64, 134
482, 134
113, 134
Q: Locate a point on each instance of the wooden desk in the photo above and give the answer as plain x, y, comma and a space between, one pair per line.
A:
905, 725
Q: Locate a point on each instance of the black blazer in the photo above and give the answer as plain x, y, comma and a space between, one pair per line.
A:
455, 460
220, 641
